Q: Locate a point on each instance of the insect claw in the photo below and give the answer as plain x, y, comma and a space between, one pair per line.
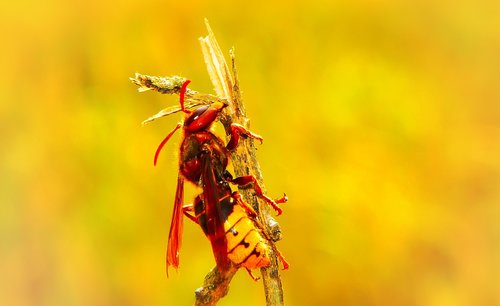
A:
282, 259
255, 278
284, 199
279, 211
274, 205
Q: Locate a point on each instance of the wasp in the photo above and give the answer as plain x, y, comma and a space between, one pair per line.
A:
230, 224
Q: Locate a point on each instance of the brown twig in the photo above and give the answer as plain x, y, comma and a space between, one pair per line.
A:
244, 161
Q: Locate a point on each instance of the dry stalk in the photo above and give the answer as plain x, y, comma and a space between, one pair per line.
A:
244, 160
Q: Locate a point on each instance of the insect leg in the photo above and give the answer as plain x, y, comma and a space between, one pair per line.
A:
188, 208
249, 209
243, 181
236, 131
255, 278
281, 258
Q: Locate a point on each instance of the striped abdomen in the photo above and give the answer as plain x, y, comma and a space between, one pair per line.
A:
246, 247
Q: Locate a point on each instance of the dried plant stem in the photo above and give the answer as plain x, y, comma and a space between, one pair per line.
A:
244, 162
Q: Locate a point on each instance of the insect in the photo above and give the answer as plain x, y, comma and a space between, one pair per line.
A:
203, 160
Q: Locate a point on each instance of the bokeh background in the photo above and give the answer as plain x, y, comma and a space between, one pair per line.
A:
381, 121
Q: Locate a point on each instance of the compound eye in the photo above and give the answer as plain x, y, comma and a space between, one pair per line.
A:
203, 117
195, 116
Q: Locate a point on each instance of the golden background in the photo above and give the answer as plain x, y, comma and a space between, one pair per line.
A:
381, 123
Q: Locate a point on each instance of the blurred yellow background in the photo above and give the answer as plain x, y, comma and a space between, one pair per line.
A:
381, 123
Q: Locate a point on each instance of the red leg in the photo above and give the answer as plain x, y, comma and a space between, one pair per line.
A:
186, 209
255, 278
281, 200
236, 131
282, 259
243, 181
249, 210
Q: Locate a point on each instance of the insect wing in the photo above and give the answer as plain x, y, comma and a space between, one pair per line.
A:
215, 220
176, 226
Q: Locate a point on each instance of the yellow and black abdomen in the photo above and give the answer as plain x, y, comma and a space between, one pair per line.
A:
245, 244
